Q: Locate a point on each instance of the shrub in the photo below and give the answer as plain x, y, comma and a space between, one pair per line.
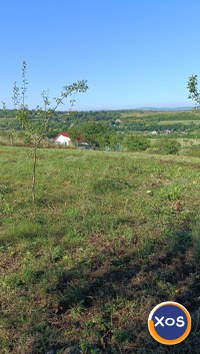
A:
167, 146
136, 143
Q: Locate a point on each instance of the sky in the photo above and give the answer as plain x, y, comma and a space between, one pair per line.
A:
134, 53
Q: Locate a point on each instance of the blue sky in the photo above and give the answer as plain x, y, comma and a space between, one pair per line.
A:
134, 53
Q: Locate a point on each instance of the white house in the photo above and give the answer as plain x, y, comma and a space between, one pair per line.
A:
62, 139
167, 131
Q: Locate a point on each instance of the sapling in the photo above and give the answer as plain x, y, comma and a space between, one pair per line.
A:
36, 133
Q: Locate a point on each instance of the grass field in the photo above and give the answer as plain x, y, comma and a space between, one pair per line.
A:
186, 122
162, 115
110, 236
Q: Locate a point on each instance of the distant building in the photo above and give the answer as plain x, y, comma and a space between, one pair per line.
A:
167, 131
62, 139
118, 121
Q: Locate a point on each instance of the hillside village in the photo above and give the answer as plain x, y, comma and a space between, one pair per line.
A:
100, 177
110, 130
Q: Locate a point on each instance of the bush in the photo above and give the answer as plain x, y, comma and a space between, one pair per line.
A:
136, 143
167, 146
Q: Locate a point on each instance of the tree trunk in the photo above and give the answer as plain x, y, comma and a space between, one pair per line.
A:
34, 174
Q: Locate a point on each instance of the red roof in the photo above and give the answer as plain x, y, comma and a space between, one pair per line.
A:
63, 134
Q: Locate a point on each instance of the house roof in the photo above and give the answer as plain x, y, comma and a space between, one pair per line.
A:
63, 134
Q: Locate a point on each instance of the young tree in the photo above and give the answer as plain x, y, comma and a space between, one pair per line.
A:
36, 133
194, 94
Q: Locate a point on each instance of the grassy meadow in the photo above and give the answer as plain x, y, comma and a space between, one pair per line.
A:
111, 235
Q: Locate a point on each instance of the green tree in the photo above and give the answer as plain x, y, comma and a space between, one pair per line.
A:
37, 132
115, 141
192, 86
75, 133
109, 139
92, 131
136, 143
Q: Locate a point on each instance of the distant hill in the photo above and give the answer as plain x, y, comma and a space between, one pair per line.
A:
165, 108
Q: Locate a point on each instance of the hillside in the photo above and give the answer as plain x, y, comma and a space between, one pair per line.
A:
111, 235
122, 121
